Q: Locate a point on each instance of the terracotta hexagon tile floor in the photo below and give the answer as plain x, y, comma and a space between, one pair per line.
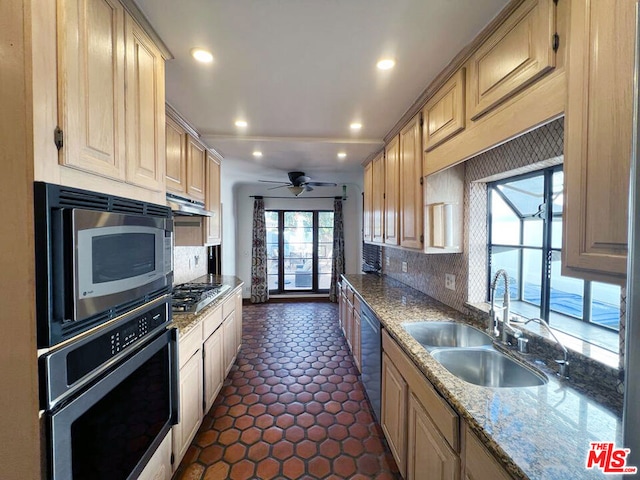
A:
292, 406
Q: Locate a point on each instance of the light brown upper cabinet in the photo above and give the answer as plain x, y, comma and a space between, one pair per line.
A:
176, 158
145, 117
213, 225
377, 200
444, 113
91, 86
367, 209
598, 138
196, 159
410, 181
391, 193
520, 51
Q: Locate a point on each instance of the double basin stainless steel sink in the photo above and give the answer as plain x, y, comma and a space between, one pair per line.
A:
468, 354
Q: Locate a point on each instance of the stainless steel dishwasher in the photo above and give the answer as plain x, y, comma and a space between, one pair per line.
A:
371, 360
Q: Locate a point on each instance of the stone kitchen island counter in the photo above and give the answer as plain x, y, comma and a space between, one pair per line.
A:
540, 432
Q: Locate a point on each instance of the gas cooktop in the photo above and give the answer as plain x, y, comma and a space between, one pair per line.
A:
193, 297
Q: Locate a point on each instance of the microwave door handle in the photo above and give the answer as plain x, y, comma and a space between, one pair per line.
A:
175, 381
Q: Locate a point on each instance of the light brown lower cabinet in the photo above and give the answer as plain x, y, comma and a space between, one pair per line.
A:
427, 451
355, 336
190, 405
213, 367
206, 353
479, 464
229, 335
394, 412
349, 318
423, 431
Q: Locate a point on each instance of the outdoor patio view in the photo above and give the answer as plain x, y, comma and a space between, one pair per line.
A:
300, 250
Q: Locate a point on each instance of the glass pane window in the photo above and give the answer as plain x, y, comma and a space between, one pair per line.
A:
505, 224
300, 249
525, 226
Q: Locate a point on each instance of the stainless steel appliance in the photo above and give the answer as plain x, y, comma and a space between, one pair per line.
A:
110, 396
193, 297
371, 361
97, 257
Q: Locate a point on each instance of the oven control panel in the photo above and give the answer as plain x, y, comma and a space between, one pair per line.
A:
135, 330
85, 357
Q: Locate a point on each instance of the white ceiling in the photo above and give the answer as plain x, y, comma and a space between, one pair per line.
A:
300, 71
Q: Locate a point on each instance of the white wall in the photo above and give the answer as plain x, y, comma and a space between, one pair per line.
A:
242, 218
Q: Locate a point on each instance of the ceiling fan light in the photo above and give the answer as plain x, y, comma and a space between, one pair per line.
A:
297, 191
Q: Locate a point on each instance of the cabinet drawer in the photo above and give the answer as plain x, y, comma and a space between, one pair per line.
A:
444, 114
189, 343
228, 306
211, 322
517, 54
442, 415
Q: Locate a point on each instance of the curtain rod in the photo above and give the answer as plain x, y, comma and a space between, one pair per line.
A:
267, 196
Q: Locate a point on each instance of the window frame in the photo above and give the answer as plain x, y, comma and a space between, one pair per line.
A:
547, 249
315, 226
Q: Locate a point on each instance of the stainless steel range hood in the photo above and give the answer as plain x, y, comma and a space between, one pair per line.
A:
187, 207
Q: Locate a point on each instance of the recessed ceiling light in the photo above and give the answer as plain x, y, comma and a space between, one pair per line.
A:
386, 64
342, 155
257, 154
241, 123
202, 55
355, 126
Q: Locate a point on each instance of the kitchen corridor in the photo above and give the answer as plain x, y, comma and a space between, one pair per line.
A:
292, 406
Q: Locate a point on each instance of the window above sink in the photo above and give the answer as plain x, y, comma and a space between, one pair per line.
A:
525, 238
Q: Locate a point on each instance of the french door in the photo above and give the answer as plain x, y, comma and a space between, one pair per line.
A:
300, 250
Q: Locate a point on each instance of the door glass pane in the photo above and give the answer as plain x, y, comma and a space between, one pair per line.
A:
605, 305
324, 281
509, 260
297, 256
532, 275
298, 250
566, 292
505, 224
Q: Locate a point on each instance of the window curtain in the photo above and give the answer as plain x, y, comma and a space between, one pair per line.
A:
259, 283
337, 264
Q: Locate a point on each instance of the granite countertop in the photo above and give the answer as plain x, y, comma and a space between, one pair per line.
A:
535, 432
186, 321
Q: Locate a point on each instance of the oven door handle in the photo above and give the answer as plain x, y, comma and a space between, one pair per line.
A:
175, 379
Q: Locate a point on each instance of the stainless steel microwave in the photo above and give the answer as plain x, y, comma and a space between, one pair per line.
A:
97, 257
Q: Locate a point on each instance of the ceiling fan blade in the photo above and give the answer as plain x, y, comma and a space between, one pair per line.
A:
307, 188
272, 181
322, 184
279, 186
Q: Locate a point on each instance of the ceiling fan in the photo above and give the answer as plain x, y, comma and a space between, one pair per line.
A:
299, 183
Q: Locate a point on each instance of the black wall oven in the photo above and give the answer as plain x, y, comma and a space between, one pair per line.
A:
108, 362
97, 257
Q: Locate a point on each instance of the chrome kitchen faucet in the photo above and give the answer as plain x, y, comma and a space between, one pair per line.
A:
492, 328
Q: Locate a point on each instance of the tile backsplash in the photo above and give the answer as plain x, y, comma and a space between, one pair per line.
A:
189, 263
